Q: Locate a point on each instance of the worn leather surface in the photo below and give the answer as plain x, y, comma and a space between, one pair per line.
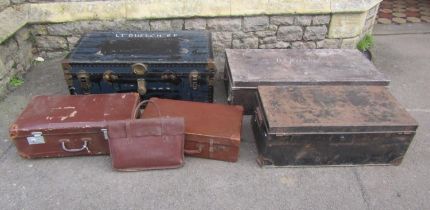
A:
143, 144
212, 130
72, 120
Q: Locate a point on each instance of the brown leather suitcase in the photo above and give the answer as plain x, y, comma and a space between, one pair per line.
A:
145, 144
211, 130
330, 125
59, 126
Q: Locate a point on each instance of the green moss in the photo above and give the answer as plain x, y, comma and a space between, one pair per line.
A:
15, 81
365, 43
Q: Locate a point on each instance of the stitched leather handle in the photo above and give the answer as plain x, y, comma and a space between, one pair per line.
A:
136, 111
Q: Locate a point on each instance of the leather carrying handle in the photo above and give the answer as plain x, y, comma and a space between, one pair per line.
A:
136, 111
84, 147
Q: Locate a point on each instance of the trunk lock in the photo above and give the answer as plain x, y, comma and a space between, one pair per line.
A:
194, 79
139, 69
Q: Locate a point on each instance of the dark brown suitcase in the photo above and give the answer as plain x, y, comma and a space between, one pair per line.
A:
248, 68
211, 130
59, 126
330, 125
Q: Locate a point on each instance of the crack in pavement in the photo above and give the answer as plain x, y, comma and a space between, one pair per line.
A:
363, 192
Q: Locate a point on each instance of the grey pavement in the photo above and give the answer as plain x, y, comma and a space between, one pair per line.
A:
90, 183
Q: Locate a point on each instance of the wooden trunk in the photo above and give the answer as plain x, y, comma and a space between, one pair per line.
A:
248, 68
330, 125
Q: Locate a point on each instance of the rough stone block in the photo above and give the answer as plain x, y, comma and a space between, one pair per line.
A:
329, 43
241, 34
177, 24
51, 43
195, 24
224, 24
22, 35
139, 25
246, 43
282, 45
346, 25
73, 40
303, 45
262, 34
258, 23
290, 33
282, 20
303, 20
160, 25
38, 30
315, 33
267, 46
221, 41
268, 40
8, 50
321, 20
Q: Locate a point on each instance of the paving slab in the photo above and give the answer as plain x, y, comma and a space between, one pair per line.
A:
405, 59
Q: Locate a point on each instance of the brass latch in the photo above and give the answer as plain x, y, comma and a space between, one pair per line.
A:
84, 79
110, 76
194, 79
168, 75
141, 86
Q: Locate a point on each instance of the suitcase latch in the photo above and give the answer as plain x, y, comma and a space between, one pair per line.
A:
194, 79
36, 138
105, 133
141, 86
84, 80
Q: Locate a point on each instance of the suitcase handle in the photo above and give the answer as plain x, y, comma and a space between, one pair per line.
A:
194, 151
84, 147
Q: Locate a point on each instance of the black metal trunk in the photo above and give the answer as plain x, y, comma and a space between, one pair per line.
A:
175, 65
330, 125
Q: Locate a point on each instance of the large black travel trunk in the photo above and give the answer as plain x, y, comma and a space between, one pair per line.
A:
174, 64
330, 125
248, 68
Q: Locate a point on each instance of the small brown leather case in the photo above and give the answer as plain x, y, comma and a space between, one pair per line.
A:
144, 144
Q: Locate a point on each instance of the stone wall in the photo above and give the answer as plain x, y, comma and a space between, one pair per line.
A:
303, 31
16, 57
51, 28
